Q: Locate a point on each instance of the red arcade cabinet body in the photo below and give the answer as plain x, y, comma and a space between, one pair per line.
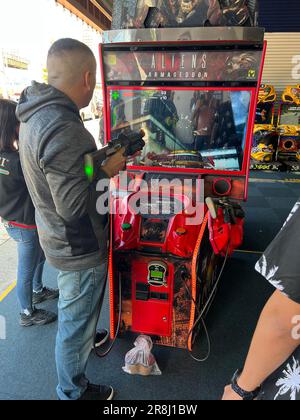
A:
194, 92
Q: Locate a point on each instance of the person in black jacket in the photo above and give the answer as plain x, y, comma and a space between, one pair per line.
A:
18, 216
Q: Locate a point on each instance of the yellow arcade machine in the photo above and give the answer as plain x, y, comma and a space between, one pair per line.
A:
265, 138
289, 129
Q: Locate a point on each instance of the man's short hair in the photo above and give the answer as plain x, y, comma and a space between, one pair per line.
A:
69, 45
67, 60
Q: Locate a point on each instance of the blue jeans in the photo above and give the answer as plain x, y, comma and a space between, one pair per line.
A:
78, 310
31, 261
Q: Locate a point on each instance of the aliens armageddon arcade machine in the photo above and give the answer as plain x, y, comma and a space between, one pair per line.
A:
176, 71
289, 129
265, 140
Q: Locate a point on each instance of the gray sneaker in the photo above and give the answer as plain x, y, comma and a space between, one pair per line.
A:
45, 294
37, 317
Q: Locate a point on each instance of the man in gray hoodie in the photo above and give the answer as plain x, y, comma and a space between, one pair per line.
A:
53, 142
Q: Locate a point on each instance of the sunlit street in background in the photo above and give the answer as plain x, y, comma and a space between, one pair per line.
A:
24, 44
93, 127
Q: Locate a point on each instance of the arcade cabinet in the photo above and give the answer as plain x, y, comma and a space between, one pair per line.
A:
265, 139
289, 129
176, 212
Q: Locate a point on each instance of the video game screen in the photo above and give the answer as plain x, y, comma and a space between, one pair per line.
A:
265, 113
201, 129
290, 115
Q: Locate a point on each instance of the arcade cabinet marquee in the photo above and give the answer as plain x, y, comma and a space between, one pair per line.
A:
193, 92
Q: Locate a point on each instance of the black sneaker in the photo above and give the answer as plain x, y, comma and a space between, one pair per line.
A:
101, 338
37, 317
98, 393
45, 294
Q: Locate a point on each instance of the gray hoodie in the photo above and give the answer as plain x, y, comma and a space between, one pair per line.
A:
53, 142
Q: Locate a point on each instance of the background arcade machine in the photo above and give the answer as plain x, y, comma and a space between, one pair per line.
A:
265, 139
193, 91
289, 128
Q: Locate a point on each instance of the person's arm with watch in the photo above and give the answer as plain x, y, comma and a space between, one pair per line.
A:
272, 344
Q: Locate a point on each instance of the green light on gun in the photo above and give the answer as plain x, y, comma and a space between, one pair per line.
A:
89, 171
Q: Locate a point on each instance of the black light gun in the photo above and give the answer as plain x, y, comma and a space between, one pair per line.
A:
132, 142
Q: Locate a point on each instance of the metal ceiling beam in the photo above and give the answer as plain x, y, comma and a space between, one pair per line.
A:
104, 10
90, 11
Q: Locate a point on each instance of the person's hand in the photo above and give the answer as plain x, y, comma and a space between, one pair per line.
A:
115, 164
230, 395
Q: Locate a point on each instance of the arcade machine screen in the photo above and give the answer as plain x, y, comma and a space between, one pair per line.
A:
264, 114
290, 115
185, 128
265, 107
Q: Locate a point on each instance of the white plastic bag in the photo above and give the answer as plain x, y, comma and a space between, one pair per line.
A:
140, 360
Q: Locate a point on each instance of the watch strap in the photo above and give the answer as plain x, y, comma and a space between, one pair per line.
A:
245, 395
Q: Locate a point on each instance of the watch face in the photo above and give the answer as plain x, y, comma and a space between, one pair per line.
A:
157, 275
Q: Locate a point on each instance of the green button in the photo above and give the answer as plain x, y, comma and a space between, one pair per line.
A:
126, 226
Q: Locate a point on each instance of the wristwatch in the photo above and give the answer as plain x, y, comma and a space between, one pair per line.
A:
245, 395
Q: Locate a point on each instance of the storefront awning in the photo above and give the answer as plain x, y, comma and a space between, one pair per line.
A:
96, 13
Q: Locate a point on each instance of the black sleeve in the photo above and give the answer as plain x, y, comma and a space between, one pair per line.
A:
280, 264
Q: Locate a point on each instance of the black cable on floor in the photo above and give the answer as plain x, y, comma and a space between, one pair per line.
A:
106, 353
201, 314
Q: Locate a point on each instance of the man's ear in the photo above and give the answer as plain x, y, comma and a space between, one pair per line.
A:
88, 80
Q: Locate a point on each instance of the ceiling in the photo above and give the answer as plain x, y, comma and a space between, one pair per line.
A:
108, 4
96, 13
